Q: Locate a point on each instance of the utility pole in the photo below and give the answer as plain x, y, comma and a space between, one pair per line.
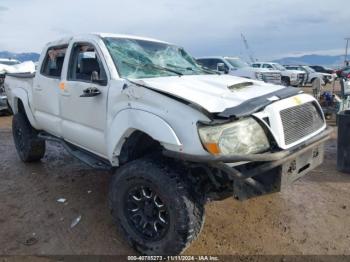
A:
346, 50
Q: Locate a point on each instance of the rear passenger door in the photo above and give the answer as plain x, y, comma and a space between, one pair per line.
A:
83, 99
46, 92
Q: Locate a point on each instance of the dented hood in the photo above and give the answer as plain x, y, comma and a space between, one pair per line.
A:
214, 93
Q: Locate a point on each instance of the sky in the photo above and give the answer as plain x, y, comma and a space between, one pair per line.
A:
273, 28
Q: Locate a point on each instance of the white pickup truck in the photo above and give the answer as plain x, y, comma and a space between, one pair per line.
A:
174, 134
237, 67
289, 77
311, 74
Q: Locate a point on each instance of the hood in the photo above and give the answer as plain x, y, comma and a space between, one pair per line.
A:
214, 93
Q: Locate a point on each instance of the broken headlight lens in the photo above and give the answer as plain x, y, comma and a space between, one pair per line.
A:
244, 136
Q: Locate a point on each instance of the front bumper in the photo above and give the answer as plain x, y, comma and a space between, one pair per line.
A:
270, 172
297, 82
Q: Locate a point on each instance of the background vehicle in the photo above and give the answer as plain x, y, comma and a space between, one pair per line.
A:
236, 67
322, 69
4, 63
311, 74
179, 134
9, 61
345, 73
339, 72
327, 70
289, 77
6, 66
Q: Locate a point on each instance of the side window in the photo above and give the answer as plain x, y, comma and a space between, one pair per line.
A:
85, 65
203, 62
256, 65
53, 62
213, 63
267, 66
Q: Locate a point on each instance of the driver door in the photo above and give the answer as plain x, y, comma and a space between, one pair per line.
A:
83, 100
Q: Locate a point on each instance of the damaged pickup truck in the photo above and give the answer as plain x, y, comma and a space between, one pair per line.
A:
175, 134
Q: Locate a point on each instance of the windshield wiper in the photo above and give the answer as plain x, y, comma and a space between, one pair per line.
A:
153, 66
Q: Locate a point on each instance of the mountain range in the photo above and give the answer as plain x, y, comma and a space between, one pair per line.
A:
325, 60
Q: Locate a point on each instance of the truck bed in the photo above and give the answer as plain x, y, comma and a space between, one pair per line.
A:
15, 81
21, 75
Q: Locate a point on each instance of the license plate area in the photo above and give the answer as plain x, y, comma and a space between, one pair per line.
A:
301, 165
277, 178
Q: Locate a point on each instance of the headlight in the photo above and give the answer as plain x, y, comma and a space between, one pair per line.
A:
244, 136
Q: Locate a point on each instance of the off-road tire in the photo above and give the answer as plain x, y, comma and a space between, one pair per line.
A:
29, 146
185, 211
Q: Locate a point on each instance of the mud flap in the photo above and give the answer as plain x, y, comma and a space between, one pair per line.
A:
278, 178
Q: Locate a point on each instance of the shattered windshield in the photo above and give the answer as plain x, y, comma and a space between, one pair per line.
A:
144, 59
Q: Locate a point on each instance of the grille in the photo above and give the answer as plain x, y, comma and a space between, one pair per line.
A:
272, 77
300, 121
301, 76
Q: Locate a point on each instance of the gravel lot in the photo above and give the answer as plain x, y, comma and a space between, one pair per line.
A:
311, 217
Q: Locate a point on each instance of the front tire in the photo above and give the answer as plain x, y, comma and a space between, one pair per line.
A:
285, 81
29, 146
154, 208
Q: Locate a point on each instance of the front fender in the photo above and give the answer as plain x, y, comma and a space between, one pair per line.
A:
129, 120
20, 94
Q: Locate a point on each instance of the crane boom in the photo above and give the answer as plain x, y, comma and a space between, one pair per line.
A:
250, 53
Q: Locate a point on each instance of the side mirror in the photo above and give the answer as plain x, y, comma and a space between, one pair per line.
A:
222, 68
95, 78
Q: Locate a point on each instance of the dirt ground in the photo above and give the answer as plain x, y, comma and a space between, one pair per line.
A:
311, 217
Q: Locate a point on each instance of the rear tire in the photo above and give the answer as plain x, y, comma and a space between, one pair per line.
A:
29, 146
154, 208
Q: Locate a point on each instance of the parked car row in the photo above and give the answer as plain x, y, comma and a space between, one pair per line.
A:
270, 72
237, 67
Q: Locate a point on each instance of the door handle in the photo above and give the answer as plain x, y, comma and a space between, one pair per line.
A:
90, 92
